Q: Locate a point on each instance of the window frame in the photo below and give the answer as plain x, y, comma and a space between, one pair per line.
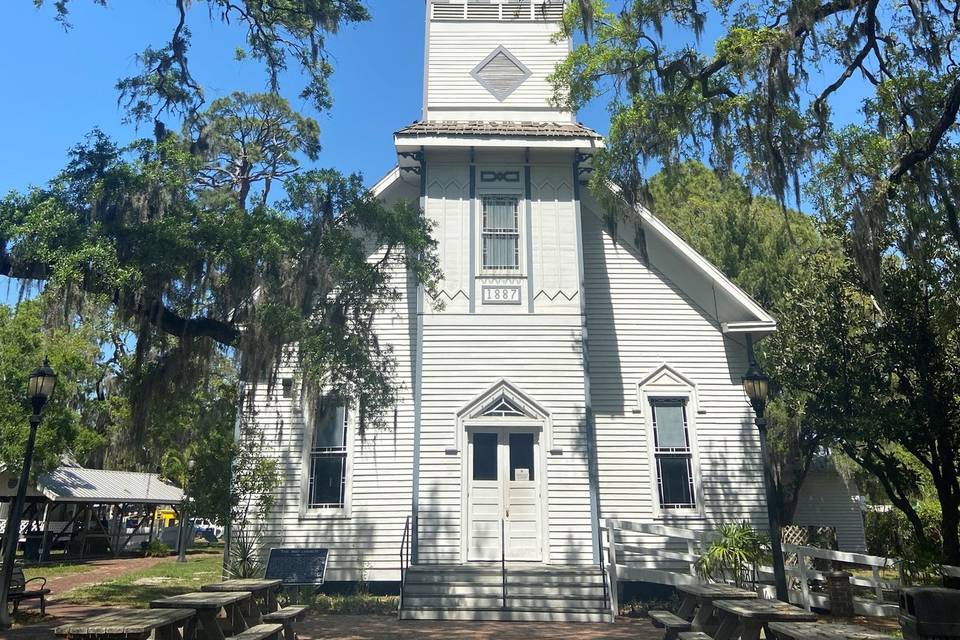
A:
503, 193
687, 398
306, 470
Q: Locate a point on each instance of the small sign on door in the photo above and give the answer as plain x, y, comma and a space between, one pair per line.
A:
521, 475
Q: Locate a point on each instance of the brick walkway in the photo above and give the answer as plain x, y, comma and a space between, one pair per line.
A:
321, 626
316, 627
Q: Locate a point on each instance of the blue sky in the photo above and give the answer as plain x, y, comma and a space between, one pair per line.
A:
60, 84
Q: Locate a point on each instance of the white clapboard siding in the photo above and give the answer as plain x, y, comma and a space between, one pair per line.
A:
555, 271
637, 321
456, 48
827, 499
380, 467
448, 208
463, 357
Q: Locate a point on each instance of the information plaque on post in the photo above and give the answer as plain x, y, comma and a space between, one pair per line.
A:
296, 566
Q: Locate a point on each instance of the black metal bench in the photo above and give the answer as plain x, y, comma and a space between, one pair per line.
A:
21, 589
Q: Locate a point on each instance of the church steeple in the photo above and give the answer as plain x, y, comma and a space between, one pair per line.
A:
488, 60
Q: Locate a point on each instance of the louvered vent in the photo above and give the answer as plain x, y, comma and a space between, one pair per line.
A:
449, 11
501, 73
548, 11
476, 11
516, 11
505, 11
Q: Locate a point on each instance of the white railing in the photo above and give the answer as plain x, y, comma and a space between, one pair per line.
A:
652, 557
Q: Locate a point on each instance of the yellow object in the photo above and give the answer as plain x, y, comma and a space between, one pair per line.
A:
166, 518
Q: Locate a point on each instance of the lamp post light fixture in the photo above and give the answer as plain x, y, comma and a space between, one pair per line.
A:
184, 524
39, 389
756, 385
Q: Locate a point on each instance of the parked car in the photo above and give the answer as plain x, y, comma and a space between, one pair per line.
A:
206, 528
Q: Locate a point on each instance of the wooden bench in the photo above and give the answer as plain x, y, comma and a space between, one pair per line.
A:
672, 623
133, 624
287, 616
19, 590
260, 632
694, 635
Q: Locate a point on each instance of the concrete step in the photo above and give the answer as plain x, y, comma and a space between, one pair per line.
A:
493, 602
515, 615
479, 590
493, 578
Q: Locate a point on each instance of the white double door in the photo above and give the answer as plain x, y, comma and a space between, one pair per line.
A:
503, 495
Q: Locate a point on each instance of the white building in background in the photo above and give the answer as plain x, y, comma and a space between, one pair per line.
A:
574, 374
829, 499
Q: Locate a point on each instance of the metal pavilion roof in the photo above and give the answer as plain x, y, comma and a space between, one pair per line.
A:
76, 484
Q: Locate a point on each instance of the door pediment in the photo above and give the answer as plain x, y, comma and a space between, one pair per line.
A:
503, 404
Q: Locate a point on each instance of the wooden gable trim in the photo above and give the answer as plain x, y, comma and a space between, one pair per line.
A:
535, 415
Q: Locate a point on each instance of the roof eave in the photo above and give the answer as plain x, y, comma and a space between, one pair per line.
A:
496, 140
760, 324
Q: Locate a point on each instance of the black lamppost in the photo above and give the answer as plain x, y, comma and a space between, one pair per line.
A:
40, 387
757, 387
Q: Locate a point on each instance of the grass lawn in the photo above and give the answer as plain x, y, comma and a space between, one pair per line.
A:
56, 570
138, 588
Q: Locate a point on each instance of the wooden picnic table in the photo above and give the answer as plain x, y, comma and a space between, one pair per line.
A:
208, 607
745, 618
133, 624
822, 631
700, 598
264, 591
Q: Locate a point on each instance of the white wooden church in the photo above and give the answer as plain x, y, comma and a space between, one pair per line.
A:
571, 375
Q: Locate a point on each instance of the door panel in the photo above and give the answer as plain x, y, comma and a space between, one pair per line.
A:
522, 498
486, 505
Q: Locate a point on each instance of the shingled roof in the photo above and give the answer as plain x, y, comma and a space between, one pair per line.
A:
498, 128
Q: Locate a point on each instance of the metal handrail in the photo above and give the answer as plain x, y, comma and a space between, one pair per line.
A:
503, 560
404, 559
603, 575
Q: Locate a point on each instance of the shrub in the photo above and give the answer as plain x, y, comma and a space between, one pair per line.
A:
734, 554
356, 604
156, 549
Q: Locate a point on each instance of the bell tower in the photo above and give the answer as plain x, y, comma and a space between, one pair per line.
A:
489, 60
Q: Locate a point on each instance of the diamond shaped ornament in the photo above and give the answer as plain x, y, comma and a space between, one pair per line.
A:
501, 73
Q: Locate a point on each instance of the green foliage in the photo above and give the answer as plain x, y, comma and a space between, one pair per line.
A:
156, 549
733, 555
358, 604
201, 253
759, 97
74, 355
251, 497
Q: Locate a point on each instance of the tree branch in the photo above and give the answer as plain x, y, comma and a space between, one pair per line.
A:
915, 156
148, 307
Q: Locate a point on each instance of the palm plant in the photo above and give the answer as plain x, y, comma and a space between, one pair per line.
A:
734, 554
